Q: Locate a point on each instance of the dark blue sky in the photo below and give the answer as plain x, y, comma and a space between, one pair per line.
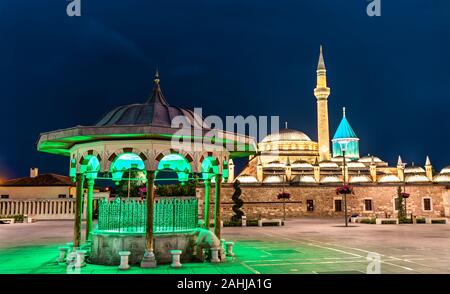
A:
247, 57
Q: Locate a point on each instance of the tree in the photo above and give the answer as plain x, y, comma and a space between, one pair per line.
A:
401, 205
132, 180
238, 203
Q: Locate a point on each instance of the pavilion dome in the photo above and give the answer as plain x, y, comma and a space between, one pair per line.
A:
286, 135
155, 112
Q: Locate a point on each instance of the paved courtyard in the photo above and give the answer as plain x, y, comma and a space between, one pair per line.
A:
312, 246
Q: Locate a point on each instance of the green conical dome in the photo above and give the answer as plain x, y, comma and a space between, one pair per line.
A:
343, 133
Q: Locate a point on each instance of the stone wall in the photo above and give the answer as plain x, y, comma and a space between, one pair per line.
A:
261, 200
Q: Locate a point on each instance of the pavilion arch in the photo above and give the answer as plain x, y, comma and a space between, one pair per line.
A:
187, 156
209, 167
88, 163
124, 162
177, 163
129, 150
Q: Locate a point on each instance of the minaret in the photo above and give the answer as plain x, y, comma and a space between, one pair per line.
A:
400, 169
230, 171
429, 169
259, 171
322, 92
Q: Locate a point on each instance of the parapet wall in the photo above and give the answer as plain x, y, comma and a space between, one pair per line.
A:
261, 200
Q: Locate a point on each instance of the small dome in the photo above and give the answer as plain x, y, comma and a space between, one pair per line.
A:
331, 179
444, 178
355, 164
246, 179
414, 170
304, 179
360, 179
416, 179
446, 170
300, 164
273, 179
328, 164
369, 159
155, 112
389, 179
286, 135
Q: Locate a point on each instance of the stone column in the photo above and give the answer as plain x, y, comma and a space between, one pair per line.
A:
149, 260
90, 205
78, 204
217, 208
206, 208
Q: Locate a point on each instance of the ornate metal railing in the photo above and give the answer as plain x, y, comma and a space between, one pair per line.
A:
171, 214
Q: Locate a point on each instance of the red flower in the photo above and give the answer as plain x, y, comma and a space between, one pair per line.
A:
345, 189
405, 195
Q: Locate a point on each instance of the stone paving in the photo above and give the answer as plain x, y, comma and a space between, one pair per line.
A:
312, 246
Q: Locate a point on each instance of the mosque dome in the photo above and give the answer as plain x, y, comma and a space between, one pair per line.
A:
446, 170
155, 112
286, 135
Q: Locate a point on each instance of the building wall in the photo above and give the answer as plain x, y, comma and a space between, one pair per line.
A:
261, 200
36, 192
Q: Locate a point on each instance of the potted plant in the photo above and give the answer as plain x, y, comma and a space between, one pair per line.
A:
345, 189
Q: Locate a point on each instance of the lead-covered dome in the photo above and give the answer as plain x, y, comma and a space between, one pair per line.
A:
155, 112
286, 135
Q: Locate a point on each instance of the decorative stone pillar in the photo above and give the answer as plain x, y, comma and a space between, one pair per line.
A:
373, 171
149, 260
80, 258
317, 172
206, 208
217, 206
176, 258
62, 254
229, 246
124, 260
215, 255
78, 205
259, 171
90, 206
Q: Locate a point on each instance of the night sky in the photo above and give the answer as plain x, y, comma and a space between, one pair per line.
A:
246, 57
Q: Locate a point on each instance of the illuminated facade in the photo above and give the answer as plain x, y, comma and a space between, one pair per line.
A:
291, 161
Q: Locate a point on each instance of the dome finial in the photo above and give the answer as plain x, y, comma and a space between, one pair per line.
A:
285, 124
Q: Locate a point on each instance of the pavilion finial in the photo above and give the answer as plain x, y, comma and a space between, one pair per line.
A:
157, 77
343, 111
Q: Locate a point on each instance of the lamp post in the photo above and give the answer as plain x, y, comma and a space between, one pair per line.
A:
343, 145
343, 183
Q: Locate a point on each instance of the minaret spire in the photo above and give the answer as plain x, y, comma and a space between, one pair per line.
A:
321, 63
322, 92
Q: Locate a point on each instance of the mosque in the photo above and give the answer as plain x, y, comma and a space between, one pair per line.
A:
290, 160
